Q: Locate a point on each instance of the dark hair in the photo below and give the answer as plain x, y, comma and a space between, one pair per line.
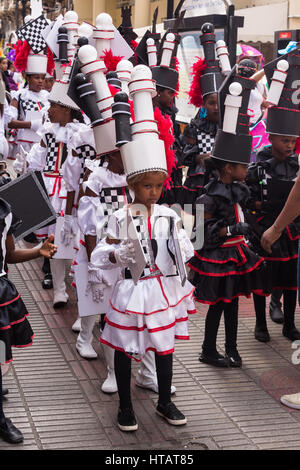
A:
76, 114
215, 164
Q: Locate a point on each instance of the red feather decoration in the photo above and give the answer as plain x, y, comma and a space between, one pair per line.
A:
134, 44
50, 62
111, 61
22, 56
195, 92
165, 126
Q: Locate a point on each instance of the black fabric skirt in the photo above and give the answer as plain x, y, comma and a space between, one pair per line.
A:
282, 263
224, 273
15, 329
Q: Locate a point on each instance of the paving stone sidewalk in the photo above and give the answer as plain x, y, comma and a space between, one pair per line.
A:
55, 397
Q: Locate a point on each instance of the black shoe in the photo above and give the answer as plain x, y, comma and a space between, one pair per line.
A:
276, 314
291, 333
171, 414
261, 334
233, 358
47, 282
4, 391
10, 433
126, 420
214, 359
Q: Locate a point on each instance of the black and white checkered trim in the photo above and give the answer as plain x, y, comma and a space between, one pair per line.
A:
205, 143
30, 105
32, 33
52, 154
113, 199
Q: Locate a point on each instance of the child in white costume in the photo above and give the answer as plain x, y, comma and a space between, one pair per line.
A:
62, 138
150, 314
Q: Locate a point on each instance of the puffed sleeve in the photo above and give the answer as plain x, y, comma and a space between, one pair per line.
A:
36, 158
90, 214
100, 255
72, 171
212, 225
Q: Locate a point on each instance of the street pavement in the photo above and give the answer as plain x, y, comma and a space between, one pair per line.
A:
55, 396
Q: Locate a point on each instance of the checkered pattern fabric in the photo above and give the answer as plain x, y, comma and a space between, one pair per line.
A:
32, 33
205, 143
83, 152
30, 105
53, 154
146, 246
113, 199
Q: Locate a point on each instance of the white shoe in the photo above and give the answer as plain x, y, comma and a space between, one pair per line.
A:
145, 382
60, 299
86, 350
77, 325
110, 383
293, 401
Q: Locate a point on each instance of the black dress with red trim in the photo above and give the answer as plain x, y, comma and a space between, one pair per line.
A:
15, 329
225, 268
282, 263
199, 137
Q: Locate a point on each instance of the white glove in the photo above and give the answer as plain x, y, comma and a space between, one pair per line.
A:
18, 165
36, 124
124, 254
96, 283
69, 229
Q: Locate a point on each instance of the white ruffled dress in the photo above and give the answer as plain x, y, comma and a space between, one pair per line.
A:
93, 217
72, 136
29, 101
153, 313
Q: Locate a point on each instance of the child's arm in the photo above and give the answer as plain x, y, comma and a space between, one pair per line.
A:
14, 255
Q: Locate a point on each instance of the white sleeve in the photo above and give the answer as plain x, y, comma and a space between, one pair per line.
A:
71, 172
36, 158
89, 213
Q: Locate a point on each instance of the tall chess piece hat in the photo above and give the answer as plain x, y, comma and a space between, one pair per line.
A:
141, 51
283, 79
233, 142
94, 70
67, 39
125, 27
141, 144
209, 72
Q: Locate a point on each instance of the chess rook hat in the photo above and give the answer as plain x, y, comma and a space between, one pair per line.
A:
143, 143
208, 72
163, 73
233, 143
103, 127
283, 95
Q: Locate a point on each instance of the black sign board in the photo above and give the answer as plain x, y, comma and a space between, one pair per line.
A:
29, 202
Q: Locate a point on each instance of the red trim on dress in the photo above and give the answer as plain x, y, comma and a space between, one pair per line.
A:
228, 273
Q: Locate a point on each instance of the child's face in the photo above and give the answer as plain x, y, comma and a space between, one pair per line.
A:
283, 146
58, 114
48, 84
211, 106
35, 81
148, 190
165, 97
239, 171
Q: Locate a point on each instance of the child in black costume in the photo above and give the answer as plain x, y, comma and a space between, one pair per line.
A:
225, 268
15, 330
282, 166
199, 137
